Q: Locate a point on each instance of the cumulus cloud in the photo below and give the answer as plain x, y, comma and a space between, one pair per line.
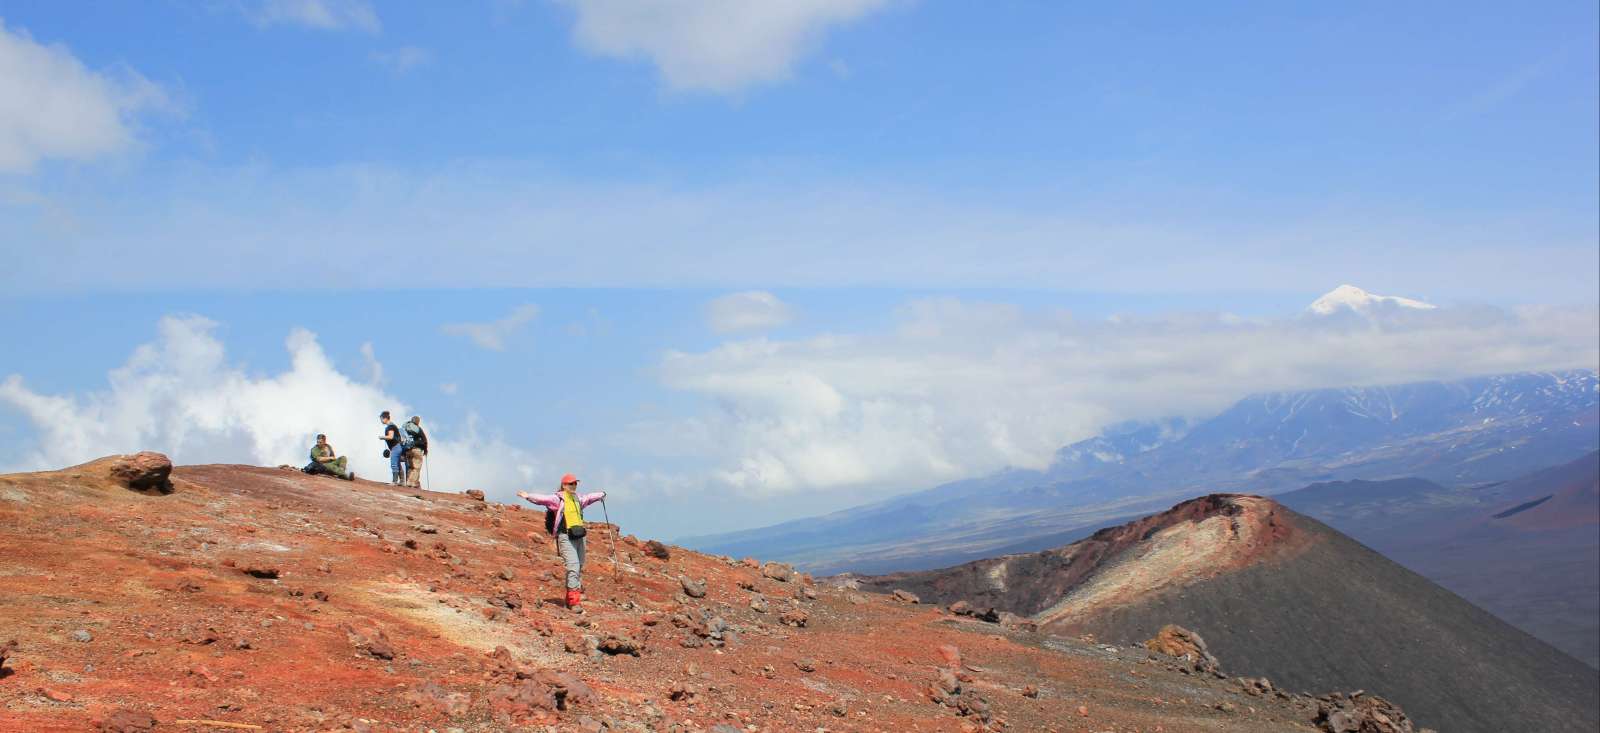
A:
750, 310
961, 388
493, 335
403, 59
328, 15
179, 395
712, 45
54, 107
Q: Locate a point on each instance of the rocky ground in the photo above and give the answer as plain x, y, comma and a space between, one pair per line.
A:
243, 598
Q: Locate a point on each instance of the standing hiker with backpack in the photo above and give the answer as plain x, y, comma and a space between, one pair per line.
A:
398, 444
416, 453
563, 517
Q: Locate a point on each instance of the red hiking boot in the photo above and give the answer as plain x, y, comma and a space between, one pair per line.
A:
574, 599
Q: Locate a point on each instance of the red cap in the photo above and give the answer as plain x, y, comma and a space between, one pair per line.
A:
569, 479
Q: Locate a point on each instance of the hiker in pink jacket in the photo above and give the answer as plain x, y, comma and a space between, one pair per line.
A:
563, 517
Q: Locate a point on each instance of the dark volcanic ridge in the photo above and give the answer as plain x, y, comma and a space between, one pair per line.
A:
1028, 584
1282, 595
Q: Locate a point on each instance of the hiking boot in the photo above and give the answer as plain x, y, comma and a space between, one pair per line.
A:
574, 600
351, 476
394, 478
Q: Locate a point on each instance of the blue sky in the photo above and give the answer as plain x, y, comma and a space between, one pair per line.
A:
941, 216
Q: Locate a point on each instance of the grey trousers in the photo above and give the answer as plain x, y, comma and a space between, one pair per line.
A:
572, 556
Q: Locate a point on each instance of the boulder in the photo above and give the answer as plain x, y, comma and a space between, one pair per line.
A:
145, 472
1176, 641
657, 550
905, 596
692, 588
777, 571
1360, 713
1012, 621
124, 720
615, 645
476, 494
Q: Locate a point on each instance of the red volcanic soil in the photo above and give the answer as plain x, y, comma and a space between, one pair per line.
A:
265, 599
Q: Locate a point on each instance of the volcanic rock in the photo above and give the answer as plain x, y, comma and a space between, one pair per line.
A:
145, 471
795, 617
905, 596
615, 645
692, 588
1176, 641
265, 572
124, 720
777, 571
657, 550
1360, 713
475, 494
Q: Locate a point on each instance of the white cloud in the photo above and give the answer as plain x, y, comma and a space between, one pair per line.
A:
403, 59
750, 310
712, 45
328, 15
450, 388
179, 396
493, 335
374, 367
960, 389
53, 107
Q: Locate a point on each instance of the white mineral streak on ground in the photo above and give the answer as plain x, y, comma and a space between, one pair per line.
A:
1175, 556
997, 575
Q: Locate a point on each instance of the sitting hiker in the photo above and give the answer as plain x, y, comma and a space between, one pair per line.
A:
324, 460
417, 451
563, 518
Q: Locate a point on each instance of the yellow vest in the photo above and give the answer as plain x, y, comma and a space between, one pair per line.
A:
573, 511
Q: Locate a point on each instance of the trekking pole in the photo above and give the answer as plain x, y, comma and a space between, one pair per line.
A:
614, 531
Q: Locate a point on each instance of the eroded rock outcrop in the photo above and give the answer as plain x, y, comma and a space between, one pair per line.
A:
1361, 713
1181, 643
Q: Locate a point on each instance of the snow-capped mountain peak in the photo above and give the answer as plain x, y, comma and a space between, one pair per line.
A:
1350, 297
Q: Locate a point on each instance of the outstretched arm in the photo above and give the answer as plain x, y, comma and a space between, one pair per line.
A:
548, 501
588, 499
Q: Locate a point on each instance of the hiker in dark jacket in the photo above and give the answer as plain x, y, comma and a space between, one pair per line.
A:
564, 519
324, 459
416, 453
396, 452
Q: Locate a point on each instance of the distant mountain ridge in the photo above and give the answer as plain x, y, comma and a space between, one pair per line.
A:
1464, 431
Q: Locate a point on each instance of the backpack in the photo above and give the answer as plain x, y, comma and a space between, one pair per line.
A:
419, 439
